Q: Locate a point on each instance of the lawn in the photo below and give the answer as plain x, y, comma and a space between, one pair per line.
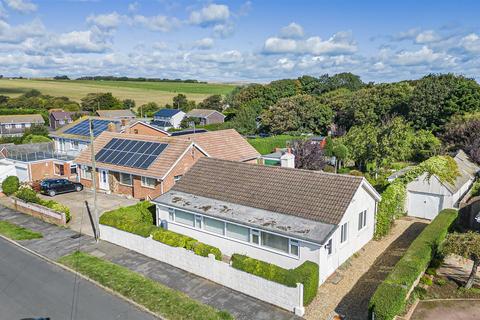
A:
157, 298
141, 92
16, 232
267, 145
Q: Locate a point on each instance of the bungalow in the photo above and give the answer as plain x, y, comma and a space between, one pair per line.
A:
137, 165
60, 118
15, 125
280, 215
75, 137
426, 197
145, 128
168, 118
116, 114
206, 116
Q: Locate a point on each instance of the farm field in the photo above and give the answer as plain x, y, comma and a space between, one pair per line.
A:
141, 92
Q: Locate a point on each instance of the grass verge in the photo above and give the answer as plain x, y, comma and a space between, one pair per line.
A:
16, 232
155, 297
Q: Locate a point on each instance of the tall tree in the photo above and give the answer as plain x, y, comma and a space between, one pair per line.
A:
466, 245
128, 104
463, 132
214, 102
245, 120
100, 101
362, 143
308, 155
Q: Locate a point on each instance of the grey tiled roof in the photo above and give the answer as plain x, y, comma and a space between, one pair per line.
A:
313, 195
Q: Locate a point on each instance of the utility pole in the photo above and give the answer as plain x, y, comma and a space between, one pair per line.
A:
94, 180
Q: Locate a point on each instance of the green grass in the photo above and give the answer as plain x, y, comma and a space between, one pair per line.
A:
267, 145
16, 232
157, 298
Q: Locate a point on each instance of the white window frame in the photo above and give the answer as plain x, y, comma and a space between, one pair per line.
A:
198, 221
28, 125
256, 233
74, 145
344, 232
144, 182
18, 126
362, 220
84, 170
73, 166
120, 179
329, 246
177, 178
293, 243
8, 126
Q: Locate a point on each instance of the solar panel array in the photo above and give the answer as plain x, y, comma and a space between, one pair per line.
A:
130, 153
82, 129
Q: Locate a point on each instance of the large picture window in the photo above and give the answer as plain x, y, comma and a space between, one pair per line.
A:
185, 218
148, 182
237, 232
214, 225
275, 242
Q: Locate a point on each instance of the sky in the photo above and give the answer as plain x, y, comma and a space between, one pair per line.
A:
239, 41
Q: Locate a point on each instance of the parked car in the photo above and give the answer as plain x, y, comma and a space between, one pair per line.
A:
56, 186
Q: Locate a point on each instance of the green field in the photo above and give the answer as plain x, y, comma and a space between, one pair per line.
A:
141, 92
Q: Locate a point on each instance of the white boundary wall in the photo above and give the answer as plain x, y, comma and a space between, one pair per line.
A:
217, 271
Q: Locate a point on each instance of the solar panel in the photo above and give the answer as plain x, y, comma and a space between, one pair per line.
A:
130, 153
82, 128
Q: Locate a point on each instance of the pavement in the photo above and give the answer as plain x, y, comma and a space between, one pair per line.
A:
31, 287
60, 241
80, 221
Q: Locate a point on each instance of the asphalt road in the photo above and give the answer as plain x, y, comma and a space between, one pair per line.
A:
31, 287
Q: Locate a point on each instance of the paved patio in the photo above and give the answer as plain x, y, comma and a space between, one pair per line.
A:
59, 241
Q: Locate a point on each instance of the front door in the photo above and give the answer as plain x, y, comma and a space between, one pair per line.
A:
103, 184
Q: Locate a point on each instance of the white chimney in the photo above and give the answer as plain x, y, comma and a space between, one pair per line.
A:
287, 160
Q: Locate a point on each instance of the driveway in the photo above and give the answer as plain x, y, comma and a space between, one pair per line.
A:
447, 309
80, 221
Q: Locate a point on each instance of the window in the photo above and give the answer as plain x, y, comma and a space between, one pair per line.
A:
61, 122
148, 182
294, 247
135, 131
27, 125
18, 125
7, 126
59, 169
237, 232
86, 172
73, 169
362, 219
171, 214
125, 179
198, 222
214, 225
184, 218
74, 145
275, 242
177, 178
329, 246
255, 236
344, 233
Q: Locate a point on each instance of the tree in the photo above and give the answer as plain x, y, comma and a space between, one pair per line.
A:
301, 113
32, 93
308, 155
214, 102
188, 121
437, 97
395, 141
362, 143
425, 145
128, 104
100, 101
148, 109
180, 101
35, 139
466, 245
463, 132
245, 120
36, 130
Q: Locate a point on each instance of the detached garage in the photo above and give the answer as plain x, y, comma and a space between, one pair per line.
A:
427, 197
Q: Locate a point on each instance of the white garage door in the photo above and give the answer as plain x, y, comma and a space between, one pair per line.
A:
22, 173
423, 205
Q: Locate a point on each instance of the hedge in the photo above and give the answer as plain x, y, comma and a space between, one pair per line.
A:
29, 195
307, 274
390, 297
10, 185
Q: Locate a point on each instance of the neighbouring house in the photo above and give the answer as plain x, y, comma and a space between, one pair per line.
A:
37, 161
279, 215
75, 137
116, 114
137, 165
145, 128
206, 116
15, 125
282, 157
426, 197
59, 119
321, 140
168, 118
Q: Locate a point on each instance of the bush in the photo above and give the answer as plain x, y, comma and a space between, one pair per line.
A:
28, 195
431, 272
356, 173
329, 168
426, 280
441, 282
204, 250
390, 297
307, 274
135, 219
475, 191
10, 185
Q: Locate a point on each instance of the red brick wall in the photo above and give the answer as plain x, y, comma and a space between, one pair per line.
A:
145, 130
46, 169
187, 161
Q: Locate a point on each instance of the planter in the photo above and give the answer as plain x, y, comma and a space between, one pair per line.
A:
39, 211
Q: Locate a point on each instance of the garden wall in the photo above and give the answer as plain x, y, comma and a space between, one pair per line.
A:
217, 271
39, 211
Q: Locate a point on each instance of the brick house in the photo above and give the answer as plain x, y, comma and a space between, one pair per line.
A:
206, 116
144, 128
59, 119
15, 125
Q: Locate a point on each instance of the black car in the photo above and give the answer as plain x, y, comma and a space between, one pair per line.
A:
56, 186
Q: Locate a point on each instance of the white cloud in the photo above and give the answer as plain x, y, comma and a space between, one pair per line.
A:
133, 7
339, 43
226, 57
427, 36
223, 30
406, 35
19, 33
89, 41
160, 45
424, 56
293, 30
157, 23
3, 12
203, 44
23, 6
105, 21
471, 43
210, 15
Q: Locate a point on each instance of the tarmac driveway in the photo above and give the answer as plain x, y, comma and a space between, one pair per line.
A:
80, 221
447, 309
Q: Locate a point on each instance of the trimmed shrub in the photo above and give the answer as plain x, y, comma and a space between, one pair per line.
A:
426, 280
329, 168
390, 297
10, 185
135, 219
307, 274
28, 195
204, 250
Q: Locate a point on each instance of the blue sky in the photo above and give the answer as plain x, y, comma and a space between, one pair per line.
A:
258, 41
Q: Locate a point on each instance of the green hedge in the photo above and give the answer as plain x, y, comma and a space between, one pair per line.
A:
307, 274
390, 297
179, 240
10, 185
267, 145
29, 195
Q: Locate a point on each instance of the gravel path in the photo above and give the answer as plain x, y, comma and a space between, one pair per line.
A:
363, 273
